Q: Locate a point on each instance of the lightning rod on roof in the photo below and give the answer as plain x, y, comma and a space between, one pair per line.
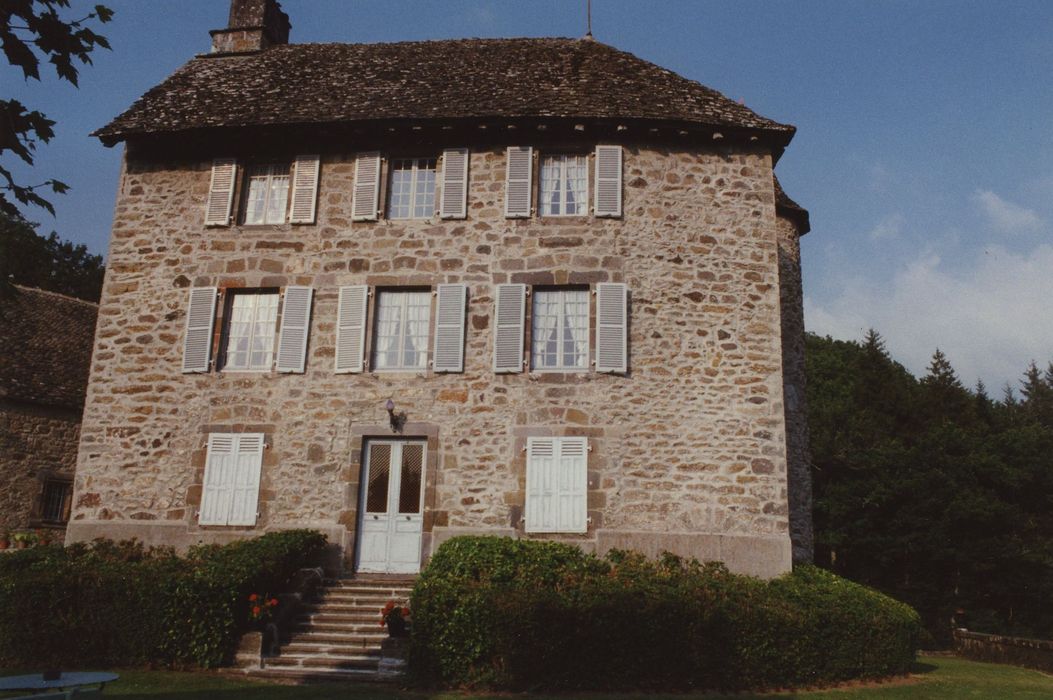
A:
588, 19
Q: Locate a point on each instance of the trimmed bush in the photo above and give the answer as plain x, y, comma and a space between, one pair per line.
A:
109, 603
520, 614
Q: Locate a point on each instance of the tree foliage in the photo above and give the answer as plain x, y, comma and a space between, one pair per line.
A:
32, 260
32, 31
932, 493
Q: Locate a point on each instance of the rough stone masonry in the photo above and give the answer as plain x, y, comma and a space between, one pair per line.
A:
689, 449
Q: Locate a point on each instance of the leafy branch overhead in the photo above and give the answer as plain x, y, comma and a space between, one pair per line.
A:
32, 31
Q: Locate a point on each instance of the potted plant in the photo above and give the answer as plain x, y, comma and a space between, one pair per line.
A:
396, 618
43, 537
5, 539
22, 539
261, 610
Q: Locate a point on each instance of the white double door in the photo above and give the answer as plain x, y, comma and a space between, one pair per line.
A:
392, 507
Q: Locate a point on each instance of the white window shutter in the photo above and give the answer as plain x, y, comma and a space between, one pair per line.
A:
608, 181
449, 328
572, 483
541, 502
365, 197
612, 327
351, 329
217, 491
221, 192
245, 485
304, 189
296, 323
454, 203
197, 343
518, 181
509, 310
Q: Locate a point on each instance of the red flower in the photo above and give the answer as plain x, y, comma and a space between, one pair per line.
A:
273, 602
256, 610
405, 612
253, 597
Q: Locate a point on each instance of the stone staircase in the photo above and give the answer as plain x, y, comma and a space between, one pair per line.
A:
339, 636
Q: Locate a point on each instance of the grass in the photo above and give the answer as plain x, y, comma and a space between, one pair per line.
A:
935, 678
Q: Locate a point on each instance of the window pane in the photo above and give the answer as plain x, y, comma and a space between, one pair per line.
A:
560, 329
575, 182
550, 186
267, 194
250, 331
412, 468
401, 336
401, 189
379, 470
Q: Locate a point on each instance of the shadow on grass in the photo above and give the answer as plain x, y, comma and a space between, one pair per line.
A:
922, 667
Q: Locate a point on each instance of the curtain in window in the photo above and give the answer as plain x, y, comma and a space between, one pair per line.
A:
545, 338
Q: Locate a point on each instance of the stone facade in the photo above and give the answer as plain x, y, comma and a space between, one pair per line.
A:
797, 444
38, 443
689, 449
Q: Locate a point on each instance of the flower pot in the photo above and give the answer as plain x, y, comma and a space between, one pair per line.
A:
21, 544
4, 544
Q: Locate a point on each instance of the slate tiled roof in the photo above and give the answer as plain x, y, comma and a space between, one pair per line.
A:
452, 79
45, 347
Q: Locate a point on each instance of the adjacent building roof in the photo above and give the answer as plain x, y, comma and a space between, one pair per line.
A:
453, 79
791, 209
47, 341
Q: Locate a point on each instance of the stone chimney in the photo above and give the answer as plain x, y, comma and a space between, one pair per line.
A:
254, 25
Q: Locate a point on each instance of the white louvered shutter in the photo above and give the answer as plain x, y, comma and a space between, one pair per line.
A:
217, 492
541, 503
608, 181
572, 482
221, 192
304, 189
518, 181
365, 197
557, 484
296, 323
197, 343
454, 203
351, 329
509, 309
449, 328
245, 485
612, 327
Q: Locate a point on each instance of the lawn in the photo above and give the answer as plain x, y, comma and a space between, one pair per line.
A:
935, 678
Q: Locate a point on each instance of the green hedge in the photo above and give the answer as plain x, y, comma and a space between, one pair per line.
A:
119, 603
519, 614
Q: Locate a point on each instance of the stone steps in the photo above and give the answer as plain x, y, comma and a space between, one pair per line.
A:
339, 636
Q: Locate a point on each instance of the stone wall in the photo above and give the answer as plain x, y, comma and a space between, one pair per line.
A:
799, 455
688, 449
994, 648
35, 442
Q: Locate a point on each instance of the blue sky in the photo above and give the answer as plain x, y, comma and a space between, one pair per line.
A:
924, 148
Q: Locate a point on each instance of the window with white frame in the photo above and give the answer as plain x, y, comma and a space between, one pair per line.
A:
411, 194
564, 185
400, 341
266, 193
250, 330
560, 329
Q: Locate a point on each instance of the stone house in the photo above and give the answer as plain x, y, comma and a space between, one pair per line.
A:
399, 292
46, 341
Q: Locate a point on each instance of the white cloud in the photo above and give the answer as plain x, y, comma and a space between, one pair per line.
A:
1004, 215
990, 317
889, 227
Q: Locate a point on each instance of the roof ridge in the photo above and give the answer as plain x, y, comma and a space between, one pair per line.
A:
48, 292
